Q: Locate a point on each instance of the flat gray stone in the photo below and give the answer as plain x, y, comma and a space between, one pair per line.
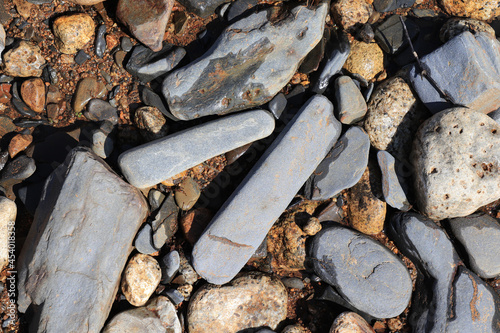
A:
343, 166
251, 61
455, 156
99, 110
152, 163
102, 143
394, 194
351, 104
463, 69
144, 240
78, 245
169, 264
480, 236
242, 223
363, 271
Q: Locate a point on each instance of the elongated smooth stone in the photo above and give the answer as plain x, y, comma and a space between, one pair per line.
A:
153, 162
242, 223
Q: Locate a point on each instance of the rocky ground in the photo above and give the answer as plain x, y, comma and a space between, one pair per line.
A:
250, 166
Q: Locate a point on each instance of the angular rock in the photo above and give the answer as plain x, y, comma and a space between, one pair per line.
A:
350, 102
140, 279
146, 19
202, 8
350, 322
393, 118
365, 59
6, 125
232, 238
366, 208
390, 34
72, 32
343, 166
151, 122
99, 110
19, 143
351, 12
455, 26
277, 105
252, 300
87, 89
23, 61
102, 143
174, 296
187, 194
8, 213
390, 5
150, 98
33, 94
158, 316
476, 9
66, 229
156, 161
480, 236
337, 50
455, 156
364, 272
394, 194
170, 264
251, 62
144, 240
165, 223
464, 70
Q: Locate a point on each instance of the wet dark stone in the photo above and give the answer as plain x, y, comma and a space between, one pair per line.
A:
23, 122
390, 5
81, 57
366, 33
390, 34
99, 110
17, 170
202, 8
126, 44
150, 98
100, 41
277, 105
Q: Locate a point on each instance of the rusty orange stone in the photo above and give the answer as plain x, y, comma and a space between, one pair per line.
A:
19, 143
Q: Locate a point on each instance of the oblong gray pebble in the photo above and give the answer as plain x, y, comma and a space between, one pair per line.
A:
152, 163
394, 194
169, 264
242, 224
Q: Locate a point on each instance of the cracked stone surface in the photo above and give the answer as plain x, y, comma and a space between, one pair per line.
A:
242, 223
442, 284
364, 272
62, 258
250, 62
456, 156
251, 300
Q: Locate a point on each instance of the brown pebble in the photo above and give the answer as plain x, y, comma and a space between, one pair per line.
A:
350, 322
6, 125
87, 89
5, 95
19, 143
233, 155
194, 223
23, 7
54, 94
187, 194
72, 32
119, 57
33, 94
365, 59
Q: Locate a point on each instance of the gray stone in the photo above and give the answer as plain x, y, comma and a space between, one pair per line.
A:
343, 166
99, 110
156, 161
202, 8
495, 115
390, 34
351, 105
67, 256
393, 192
169, 264
294, 283
364, 272
239, 7
252, 61
100, 41
166, 214
17, 170
242, 224
126, 44
390, 5
441, 284
480, 236
102, 143
144, 240
251, 300
174, 296
277, 105
338, 50
150, 98
81, 57
155, 199
8, 213
158, 316
463, 69
455, 156
4, 157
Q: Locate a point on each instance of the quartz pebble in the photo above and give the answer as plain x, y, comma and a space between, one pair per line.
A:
350, 322
351, 12
232, 238
72, 32
140, 279
156, 161
25, 60
476, 9
365, 59
151, 122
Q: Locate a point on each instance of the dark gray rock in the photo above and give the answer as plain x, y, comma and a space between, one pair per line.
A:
343, 166
67, 252
239, 7
174, 296
364, 272
165, 222
100, 41
156, 161
169, 264
126, 44
147, 65
17, 170
22, 108
251, 61
480, 236
393, 192
144, 240
245, 219
390, 5
149, 97
337, 50
495, 115
102, 143
202, 8
81, 57
99, 110
277, 105
463, 69
351, 105
390, 34
366, 33
155, 199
